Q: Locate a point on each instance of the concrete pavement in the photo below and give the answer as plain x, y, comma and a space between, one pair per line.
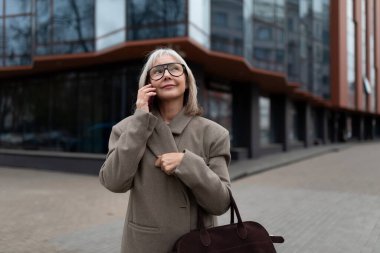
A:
327, 203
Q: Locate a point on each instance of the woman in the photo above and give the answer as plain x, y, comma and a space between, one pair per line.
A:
170, 158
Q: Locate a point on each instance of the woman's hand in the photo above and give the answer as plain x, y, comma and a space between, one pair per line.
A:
143, 96
168, 162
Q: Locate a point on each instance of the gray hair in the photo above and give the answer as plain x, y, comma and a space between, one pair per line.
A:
191, 101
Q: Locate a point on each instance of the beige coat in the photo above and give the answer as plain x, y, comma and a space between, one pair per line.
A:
162, 208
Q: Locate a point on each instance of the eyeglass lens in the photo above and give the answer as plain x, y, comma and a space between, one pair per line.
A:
157, 72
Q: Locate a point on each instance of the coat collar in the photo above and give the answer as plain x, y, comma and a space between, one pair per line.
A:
178, 123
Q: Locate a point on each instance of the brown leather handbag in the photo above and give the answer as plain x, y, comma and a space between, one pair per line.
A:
240, 237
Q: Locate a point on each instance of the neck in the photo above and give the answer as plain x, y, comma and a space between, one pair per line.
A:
169, 109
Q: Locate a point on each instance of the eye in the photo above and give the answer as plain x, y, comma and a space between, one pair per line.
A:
157, 70
175, 67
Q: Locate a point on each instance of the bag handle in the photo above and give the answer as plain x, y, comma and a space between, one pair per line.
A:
233, 209
240, 228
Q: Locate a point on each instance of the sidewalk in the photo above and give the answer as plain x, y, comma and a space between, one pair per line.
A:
327, 204
240, 169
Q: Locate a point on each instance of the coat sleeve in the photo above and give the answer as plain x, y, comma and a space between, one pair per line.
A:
126, 147
208, 182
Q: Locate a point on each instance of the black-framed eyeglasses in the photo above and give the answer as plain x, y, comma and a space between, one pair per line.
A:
174, 69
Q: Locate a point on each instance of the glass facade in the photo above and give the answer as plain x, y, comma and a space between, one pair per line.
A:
290, 37
227, 28
64, 26
16, 38
266, 135
268, 33
308, 45
217, 105
72, 111
150, 19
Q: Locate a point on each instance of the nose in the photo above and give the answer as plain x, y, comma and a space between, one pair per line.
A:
166, 73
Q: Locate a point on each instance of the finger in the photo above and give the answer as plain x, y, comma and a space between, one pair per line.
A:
152, 93
148, 86
157, 163
149, 89
142, 92
169, 170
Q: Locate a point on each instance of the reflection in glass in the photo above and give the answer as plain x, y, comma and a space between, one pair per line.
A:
268, 19
18, 40
73, 21
35, 113
157, 32
218, 107
266, 135
155, 19
43, 23
18, 7
307, 44
64, 26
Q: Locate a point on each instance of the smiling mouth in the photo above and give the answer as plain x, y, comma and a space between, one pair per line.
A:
168, 86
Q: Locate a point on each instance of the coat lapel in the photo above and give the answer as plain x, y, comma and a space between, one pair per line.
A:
162, 141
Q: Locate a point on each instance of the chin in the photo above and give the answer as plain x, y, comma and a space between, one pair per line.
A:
170, 95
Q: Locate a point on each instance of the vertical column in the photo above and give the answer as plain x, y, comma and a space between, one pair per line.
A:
358, 127
369, 128
377, 134
334, 126
286, 119
338, 28
342, 126
255, 122
243, 123
325, 125
308, 126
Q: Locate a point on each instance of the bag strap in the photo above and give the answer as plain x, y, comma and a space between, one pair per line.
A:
233, 210
241, 230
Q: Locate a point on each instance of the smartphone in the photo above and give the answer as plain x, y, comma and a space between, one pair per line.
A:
150, 101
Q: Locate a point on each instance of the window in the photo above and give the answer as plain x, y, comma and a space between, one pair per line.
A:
218, 108
155, 19
266, 135
264, 33
16, 38
65, 26
220, 19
